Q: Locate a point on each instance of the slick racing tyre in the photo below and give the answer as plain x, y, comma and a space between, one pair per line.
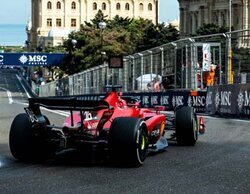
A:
26, 143
128, 141
186, 126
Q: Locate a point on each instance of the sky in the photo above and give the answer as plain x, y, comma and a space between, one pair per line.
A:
19, 11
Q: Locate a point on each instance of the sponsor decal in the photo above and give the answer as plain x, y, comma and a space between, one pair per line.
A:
33, 59
217, 100
244, 101
165, 100
145, 100
198, 102
155, 133
154, 100
23, 59
226, 98
177, 101
209, 99
240, 100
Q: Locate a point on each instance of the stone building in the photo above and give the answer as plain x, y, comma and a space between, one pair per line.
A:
53, 20
194, 13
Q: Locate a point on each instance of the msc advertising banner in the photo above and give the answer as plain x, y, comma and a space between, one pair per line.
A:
31, 59
229, 99
169, 99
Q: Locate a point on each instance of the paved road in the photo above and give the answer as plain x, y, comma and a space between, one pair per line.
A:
219, 163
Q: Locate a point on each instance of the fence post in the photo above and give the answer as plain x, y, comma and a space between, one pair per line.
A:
142, 62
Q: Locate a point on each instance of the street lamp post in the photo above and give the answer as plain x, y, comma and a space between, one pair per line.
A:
102, 25
71, 51
229, 72
73, 42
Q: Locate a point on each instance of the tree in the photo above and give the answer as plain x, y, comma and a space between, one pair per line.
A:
211, 28
122, 36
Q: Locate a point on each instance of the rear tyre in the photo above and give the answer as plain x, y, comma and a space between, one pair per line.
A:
27, 143
128, 141
186, 126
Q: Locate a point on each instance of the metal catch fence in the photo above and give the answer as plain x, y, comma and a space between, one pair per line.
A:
176, 65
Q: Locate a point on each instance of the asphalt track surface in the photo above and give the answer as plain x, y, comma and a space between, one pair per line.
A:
219, 163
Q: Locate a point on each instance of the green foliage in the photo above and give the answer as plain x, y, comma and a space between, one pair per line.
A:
13, 49
207, 29
122, 36
241, 59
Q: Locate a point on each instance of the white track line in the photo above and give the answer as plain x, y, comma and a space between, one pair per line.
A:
8, 94
10, 97
19, 79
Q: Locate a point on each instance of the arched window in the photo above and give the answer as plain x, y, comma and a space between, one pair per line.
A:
73, 5
49, 5
141, 7
118, 6
150, 8
127, 6
103, 6
58, 5
94, 6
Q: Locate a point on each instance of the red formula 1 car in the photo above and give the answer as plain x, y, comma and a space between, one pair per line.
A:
116, 125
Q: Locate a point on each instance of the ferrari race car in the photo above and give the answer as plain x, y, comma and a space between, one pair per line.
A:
116, 125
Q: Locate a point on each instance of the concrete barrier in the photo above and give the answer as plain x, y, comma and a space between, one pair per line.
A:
229, 100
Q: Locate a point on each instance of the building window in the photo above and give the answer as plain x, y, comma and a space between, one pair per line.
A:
73, 22
223, 19
150, 8
103, 6
118, 6
127, 6
73, 5
94, 6
215, 18
58, 22
141, 7
49, 5
49, 22
58, 5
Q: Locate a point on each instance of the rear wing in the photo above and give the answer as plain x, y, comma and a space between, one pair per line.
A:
70, 103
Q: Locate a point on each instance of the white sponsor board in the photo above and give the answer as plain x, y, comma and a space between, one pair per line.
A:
206, 49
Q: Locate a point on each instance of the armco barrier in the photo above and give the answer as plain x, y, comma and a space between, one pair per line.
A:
170, 100
229, 100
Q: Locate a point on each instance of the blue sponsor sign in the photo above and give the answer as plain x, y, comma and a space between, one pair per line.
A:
32, 59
